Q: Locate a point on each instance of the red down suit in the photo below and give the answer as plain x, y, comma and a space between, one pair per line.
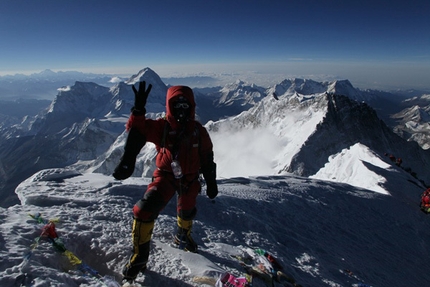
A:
188, 143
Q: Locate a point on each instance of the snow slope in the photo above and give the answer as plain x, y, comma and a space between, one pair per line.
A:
348, 166
317, 229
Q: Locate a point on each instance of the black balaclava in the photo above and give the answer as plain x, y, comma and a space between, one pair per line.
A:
181, 109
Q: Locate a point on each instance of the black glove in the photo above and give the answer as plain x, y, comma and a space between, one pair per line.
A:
135, 142
211, 190
209, 174
140, 97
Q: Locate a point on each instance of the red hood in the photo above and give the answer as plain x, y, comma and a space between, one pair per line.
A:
175, 92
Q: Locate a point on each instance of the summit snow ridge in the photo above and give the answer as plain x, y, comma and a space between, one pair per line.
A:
323, 233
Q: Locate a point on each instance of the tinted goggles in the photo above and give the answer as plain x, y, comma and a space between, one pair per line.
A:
181, 106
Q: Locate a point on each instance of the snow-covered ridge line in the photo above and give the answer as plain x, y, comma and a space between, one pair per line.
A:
326, 229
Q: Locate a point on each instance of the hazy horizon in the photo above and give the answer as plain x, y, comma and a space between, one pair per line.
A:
374, 44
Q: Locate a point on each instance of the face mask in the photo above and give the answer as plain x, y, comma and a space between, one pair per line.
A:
181, 111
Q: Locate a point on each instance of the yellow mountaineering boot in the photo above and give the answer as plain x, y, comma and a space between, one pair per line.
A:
141, 236
183, 236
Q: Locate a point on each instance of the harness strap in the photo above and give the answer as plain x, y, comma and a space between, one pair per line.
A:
166, 129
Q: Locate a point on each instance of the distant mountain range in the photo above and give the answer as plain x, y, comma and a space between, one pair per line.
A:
45, 85
295, 126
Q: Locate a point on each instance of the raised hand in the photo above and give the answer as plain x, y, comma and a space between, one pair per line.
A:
140, 97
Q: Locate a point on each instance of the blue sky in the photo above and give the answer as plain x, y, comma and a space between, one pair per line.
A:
374, 44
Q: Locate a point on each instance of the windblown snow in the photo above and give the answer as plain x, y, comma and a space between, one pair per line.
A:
263, 149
